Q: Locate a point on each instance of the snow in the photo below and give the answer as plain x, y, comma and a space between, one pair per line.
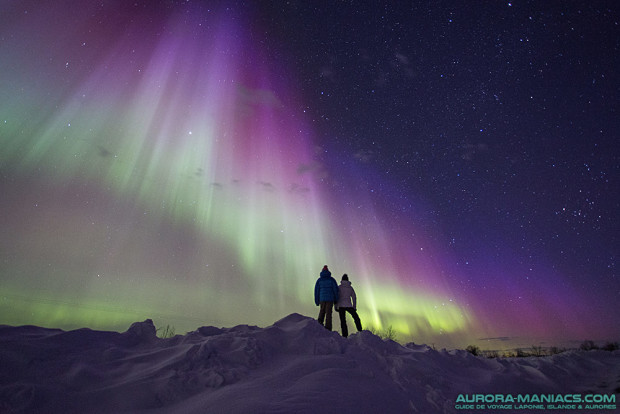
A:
292, 366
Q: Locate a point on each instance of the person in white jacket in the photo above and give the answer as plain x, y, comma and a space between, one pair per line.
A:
347, 302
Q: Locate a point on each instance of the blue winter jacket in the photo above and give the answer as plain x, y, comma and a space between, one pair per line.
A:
326, 288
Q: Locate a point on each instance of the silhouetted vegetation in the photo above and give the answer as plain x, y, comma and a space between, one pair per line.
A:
388, 333
473, 349
539, 351
490, 354
167, 332
588, 345
521, 353
555, 350
535, 351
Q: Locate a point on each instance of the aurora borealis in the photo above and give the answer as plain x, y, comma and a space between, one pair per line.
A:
198, 163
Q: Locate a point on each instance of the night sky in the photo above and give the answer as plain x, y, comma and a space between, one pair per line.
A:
199, 162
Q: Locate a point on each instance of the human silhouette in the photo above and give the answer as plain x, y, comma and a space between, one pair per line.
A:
347, 303
325, 295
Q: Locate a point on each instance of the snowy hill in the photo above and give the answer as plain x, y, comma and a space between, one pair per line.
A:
293, 366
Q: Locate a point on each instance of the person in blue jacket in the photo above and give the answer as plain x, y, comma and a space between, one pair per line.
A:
325, 295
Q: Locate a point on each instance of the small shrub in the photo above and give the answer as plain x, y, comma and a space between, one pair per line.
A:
167, 332
389, 333
373, 330
521, 353
537, 351
473, 349
491, 354
588, 345
611, 346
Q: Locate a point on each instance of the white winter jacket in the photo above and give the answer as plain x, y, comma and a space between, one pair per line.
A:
346, 293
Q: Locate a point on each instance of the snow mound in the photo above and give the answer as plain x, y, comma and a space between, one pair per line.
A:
292, 366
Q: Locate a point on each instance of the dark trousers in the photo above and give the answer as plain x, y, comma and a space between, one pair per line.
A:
325, 311
343, 320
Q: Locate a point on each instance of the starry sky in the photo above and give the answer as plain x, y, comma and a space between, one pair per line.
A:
198, 162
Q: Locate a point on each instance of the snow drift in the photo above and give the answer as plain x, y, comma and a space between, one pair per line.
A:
293, 366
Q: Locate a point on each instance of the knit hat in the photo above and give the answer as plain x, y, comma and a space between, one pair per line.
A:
345, 277
325, 267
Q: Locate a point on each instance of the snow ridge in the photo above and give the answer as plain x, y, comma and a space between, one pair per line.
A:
294, 365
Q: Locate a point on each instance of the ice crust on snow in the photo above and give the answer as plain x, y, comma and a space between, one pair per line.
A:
294, 365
